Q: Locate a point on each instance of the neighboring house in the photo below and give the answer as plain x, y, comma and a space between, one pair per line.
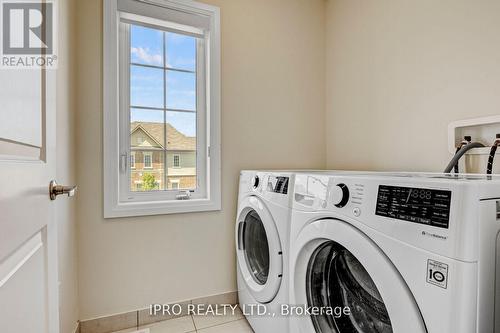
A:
147, 157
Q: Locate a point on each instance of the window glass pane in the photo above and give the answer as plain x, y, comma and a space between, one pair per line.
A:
148, 174
181, 149
146, 86
181, 51
147, 139
183, 122
146, 46
181, 90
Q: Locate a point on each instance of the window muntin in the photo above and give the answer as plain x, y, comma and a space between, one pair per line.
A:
177, 161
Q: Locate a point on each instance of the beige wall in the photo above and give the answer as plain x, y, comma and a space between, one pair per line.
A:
272, 111
399, 71
65, 168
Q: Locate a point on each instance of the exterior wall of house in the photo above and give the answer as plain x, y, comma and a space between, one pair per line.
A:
182, 177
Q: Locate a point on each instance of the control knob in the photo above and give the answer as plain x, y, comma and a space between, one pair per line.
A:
340, 195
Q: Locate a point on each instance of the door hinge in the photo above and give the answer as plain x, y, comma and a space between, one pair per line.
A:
208, 151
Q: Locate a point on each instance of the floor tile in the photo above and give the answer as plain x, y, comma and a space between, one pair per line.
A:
202, 321
177, 325
238, 326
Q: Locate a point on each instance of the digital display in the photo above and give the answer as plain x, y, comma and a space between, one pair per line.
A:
418, 205
278, 184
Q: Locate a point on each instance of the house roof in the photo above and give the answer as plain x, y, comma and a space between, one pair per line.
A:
175, 139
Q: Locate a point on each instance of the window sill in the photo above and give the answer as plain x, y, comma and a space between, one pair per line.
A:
148, 208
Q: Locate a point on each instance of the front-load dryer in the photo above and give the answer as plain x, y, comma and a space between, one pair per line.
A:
395, 253
262, 234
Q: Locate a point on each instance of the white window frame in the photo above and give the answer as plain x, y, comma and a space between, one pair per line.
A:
178, 160
176, 181
119, 200
132, 160
150, 155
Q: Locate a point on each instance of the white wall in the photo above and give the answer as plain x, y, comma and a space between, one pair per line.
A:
399, 71
65, 168
272, 117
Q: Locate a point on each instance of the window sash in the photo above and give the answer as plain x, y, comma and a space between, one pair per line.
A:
132, 160
200, 192
148, 161
116, 203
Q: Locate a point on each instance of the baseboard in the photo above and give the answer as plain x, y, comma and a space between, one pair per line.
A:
140, 317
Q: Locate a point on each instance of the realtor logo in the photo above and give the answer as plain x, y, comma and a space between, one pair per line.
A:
28, 33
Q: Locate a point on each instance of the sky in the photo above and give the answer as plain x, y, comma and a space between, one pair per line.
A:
146, 83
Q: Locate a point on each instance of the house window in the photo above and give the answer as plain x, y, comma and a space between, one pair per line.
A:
161, 96
174, 184
177, 161
148, 160
132, 160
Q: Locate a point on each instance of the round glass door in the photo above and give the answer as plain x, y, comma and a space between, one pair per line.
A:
256, 247
335, 278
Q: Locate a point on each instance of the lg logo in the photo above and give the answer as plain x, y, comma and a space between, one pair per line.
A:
28, 28
437, 273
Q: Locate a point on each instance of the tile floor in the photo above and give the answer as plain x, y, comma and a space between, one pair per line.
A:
204, 324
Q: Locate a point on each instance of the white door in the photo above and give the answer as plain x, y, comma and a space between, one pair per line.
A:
258, 249
337, 266
28, 239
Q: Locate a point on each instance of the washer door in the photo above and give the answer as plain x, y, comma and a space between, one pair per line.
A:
339, 267
259, 250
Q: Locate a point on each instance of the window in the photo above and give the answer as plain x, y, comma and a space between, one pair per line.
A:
162, 97
148, 161
177, 161
132, 160
174, 183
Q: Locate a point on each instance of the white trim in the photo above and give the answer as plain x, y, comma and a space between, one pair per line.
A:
132, 158
112, 154
178, 161
150, 155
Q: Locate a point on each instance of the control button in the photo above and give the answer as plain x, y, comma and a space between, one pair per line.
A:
340, 195
255, 181
356, 211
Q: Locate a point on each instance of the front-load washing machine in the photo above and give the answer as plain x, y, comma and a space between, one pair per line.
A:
262, 234
401, 253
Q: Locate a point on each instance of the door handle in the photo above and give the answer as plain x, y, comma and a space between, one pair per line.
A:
56, 189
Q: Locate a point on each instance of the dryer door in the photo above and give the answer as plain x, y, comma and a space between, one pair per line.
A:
259, 250
338, 267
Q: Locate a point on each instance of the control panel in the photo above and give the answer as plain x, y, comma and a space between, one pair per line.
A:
417, 205
278, 184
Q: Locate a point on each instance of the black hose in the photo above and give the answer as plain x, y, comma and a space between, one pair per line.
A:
460, 153
493, 151
455, 168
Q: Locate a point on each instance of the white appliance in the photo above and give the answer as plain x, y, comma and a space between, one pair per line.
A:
262, 243
404, 252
